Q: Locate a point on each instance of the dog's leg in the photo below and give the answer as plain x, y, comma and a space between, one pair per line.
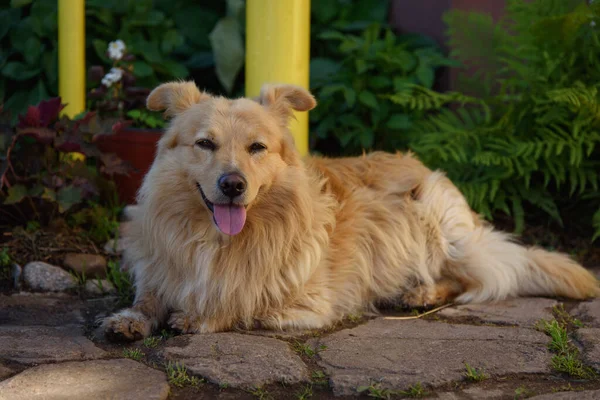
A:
296, 319
442, 292
137, 322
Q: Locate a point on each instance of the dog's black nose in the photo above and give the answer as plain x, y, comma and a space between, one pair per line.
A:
232, 185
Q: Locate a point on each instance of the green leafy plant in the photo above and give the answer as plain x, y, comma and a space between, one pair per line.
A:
121, 281
152, 341
142, 118
376, 391
29, 55
566, 358
101, 222
178, 375
306, 349
51, 165
135, 354
538, 146
474, 374
355, 82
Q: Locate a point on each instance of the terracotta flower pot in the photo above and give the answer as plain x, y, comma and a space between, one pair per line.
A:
138, 148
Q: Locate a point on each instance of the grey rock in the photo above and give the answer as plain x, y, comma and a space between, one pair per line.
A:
589, 312
524, 311
237, 360
99, 287
402, 353
51, 309
39, 275
575, 395
90, 380
88, 265
590, 338
42, 344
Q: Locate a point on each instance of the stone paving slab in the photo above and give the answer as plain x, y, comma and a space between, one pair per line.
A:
402, 353
43, 344
575, 395
237, 360
40, 309
589, 312
524, 312
590, 338
90, 380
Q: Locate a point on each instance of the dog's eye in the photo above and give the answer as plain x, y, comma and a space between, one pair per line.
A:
206, 144
256, 147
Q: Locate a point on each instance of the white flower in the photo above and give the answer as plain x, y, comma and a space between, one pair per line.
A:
113, 76
116, 49
117, 74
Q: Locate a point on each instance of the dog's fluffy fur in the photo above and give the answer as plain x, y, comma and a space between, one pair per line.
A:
322, 237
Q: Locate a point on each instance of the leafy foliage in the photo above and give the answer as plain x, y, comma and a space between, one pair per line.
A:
355, 75
170, 39
52, 161
29, 54
538, 146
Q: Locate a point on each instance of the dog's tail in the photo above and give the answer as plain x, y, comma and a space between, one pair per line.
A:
488, 263
493, 267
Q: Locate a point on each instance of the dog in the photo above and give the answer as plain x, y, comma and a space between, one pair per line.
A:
234, 230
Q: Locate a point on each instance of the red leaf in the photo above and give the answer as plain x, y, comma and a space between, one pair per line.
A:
41, 115
49, 110
114, 165
120, 125
42, 135
30, 119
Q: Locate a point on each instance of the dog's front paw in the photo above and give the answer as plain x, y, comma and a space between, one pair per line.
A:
127, 325
183, 322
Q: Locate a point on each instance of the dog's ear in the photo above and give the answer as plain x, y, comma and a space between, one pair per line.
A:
174, 97
284, 99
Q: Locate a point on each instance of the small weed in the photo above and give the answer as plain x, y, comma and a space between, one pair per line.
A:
564, 317
354, 318
101, 222
223, 385
305, 393
375, 390
474, 374
121, 282
522, 393
415, 391
260, 392
319, 378
152, 341
306, 349
5, 264
567, 388
165, 334
178, 375
571, 365
135, 354
32, 226
566, 358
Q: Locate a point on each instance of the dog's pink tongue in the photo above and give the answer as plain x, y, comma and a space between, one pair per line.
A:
230, 218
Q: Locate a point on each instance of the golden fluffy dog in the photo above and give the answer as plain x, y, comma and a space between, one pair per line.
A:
234, 229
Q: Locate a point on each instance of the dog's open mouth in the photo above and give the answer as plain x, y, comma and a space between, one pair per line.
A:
229, 218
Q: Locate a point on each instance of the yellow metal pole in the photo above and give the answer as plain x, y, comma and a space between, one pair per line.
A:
71, 55
278, 51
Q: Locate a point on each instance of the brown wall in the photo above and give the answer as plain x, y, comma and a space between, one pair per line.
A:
425, 16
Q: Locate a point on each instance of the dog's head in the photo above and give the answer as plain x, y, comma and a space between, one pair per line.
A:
229, 150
